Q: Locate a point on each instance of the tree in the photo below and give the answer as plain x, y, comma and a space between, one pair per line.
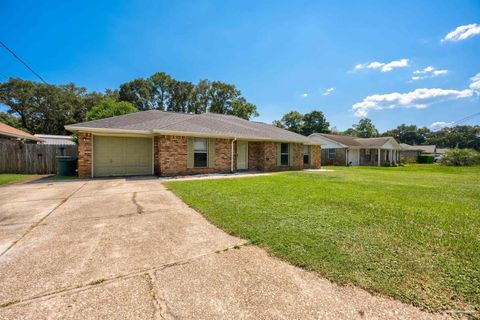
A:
110, 108
10, 120
365, 129
292, 121
243, 109
409, 134
221, 96
140, 93
456, 137
161, 84
43, 108
181, 96
201, 97
315, 122
349, 132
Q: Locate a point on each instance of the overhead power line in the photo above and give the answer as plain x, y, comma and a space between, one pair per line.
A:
467, 118
23, 62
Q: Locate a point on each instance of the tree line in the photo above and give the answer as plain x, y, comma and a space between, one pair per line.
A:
44, 108
461, 136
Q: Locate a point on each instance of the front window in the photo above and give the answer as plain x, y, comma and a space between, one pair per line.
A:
284, 154
331, 153
200, 153
368, 155
306, 154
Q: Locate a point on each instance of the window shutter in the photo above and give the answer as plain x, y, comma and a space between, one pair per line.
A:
190, 153
279, 161
211, 153
290, 154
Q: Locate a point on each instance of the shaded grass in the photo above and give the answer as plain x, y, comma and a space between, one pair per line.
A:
12, 177
411, 232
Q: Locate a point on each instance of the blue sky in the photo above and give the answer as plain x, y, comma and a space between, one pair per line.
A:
282, 55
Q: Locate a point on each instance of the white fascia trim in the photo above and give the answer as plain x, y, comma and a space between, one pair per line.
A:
105, 130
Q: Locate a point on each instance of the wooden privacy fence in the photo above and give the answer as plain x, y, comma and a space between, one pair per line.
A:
19, 157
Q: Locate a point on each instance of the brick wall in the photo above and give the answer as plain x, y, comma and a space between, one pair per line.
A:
340, 158
172, 156
84, 155
315, 158
372, 161
410, 156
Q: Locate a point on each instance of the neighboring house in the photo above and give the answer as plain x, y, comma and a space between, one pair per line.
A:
169, 144
10, 133
346, 150
410, 153
56, 140
428, 149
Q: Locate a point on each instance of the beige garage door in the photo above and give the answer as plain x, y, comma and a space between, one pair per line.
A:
121, 156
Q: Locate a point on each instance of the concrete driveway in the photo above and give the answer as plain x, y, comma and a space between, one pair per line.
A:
130, 249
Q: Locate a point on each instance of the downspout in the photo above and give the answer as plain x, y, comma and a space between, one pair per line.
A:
231, 161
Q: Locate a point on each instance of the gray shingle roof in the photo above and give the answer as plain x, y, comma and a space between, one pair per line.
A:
352, 141
408, 147
216, 125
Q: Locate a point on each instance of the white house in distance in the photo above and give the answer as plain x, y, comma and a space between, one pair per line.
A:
352, 151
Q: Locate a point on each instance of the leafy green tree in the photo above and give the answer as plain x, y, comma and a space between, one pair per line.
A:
110, 108
315, 122
409, 134
365, 129
181, 96
292, 121
243, 109
456, 137
10, 120
42, 108
139, 92
349, 132
201, 97
221, 97
161, 84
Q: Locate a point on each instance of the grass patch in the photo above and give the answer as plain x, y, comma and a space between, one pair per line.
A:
6, 178
410, 232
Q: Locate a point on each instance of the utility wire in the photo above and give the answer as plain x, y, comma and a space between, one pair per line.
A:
3, 76
23, 62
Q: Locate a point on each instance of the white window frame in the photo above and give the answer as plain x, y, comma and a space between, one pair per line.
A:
200, 151
330, 154
307, 148
285, 153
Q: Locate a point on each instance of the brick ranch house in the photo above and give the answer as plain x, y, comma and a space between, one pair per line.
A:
352, 151
168, 144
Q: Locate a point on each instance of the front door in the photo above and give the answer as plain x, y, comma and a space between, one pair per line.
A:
242, 155
353, 156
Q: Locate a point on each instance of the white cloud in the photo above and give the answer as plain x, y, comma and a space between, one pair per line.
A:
305, 94
463, 32
475, 83
384, 67
419, 99
440, 124
427, 72
328, 91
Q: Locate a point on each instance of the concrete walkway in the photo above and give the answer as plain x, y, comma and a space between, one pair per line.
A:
130, 249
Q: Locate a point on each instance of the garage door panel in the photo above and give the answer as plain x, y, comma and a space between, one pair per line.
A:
117, 156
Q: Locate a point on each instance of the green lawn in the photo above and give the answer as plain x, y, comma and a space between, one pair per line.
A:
8, 178
411, 232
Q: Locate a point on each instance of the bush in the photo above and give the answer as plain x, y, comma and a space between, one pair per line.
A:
461, 157
425, 159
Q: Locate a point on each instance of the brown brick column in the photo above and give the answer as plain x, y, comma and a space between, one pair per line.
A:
316, 157
84, 155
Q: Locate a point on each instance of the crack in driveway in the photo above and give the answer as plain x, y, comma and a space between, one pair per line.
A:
102, 281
